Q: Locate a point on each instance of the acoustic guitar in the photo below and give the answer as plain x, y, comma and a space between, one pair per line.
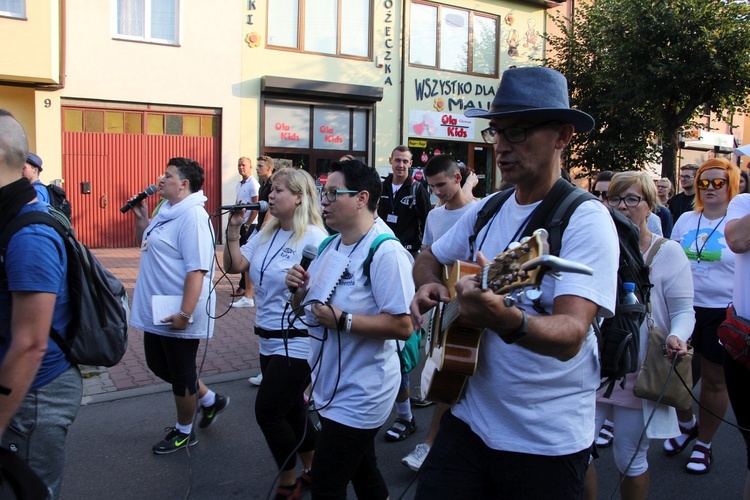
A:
453, 341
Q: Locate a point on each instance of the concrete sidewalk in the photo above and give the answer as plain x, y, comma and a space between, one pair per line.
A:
233, 348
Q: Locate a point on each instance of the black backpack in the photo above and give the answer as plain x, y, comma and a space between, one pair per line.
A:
618, 337
98, 331
59, 199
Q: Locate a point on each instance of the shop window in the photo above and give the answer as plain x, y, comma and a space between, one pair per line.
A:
146, 20
332, 27
73, 120
453, 39
13, 8
94, 121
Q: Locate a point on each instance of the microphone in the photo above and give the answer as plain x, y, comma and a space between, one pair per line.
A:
308, 254
261, 206
139, 198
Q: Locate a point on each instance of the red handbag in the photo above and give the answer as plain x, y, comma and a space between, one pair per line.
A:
734, 334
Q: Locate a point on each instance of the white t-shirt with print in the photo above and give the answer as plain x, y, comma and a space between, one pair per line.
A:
270, 260
356, 378
738, 208
714, 274
519, 400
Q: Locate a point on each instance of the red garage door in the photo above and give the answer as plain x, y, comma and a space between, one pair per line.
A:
110, 154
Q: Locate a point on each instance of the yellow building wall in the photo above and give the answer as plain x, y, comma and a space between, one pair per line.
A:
31, 46
203, 70
260, 61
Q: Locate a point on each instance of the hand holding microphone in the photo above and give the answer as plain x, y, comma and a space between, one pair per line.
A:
261, 206
297, 275
139, 198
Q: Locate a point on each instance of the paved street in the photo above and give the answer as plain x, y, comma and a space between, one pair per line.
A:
125, 411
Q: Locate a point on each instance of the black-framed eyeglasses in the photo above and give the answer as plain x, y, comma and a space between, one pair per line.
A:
716, 183
630, 200
599, 194
333, 194
687, 177
513, 135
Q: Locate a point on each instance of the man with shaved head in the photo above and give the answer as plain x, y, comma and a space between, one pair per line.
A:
40, 390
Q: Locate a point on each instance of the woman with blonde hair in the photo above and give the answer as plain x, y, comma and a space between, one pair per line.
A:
633, 194
701, 234
279, 406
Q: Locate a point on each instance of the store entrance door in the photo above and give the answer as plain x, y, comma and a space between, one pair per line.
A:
482, 161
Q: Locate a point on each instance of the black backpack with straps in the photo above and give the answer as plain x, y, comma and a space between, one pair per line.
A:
618, 337
98, 331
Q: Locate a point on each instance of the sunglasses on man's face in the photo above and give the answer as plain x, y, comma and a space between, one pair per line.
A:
716, 183
599, 194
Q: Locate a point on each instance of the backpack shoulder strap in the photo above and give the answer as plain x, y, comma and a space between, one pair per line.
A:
654, 250
374, 248
325, 243
490, 208
26, 219
561, 217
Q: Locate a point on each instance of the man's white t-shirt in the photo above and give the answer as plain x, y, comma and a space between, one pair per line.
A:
738, 208
440, 219
246, 191
518, 400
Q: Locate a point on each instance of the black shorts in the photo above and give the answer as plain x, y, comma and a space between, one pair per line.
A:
705, 339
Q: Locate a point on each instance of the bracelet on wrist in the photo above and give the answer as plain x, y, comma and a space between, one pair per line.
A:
342, 321
349, 318
185, 315
519, 332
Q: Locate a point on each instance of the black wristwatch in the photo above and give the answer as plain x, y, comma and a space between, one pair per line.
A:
519, 332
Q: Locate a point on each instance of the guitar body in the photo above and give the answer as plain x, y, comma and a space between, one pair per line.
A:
453, 340
453, 351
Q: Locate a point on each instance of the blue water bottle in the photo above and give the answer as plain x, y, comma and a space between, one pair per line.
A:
628, 294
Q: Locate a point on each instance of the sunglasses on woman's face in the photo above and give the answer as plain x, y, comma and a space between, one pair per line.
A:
716, 183
599, 194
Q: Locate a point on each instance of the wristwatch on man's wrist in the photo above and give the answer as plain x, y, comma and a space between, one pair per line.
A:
519, 332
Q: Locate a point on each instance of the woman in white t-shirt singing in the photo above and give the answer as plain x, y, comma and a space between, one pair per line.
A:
701, 234
356, 370
279, 406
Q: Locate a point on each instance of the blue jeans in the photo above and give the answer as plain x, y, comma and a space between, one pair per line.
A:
38, 430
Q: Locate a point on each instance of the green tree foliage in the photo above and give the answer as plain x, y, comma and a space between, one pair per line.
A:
643, 68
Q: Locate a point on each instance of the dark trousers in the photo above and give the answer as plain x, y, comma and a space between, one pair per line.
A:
345, 454
245, 233
280, 408
737, 377
460, 465
173, 360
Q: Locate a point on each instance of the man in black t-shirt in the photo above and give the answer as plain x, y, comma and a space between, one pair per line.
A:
683, 202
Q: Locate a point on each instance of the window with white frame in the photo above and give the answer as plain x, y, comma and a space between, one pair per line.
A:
13, 8
147, 20
453, 39
333, 27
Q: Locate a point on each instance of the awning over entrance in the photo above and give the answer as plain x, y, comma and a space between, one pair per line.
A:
313, 88
702, 139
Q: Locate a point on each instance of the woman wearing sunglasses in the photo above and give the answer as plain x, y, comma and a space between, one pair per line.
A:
701, 234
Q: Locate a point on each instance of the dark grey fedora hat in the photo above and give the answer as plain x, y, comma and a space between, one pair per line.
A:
536, 93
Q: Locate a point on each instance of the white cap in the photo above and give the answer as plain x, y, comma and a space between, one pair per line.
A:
743, 150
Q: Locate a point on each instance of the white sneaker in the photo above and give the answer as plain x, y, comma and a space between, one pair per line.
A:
414, 459
256, 380
243, 302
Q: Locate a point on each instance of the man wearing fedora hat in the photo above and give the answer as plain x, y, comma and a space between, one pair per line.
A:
31, 170
524, 426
